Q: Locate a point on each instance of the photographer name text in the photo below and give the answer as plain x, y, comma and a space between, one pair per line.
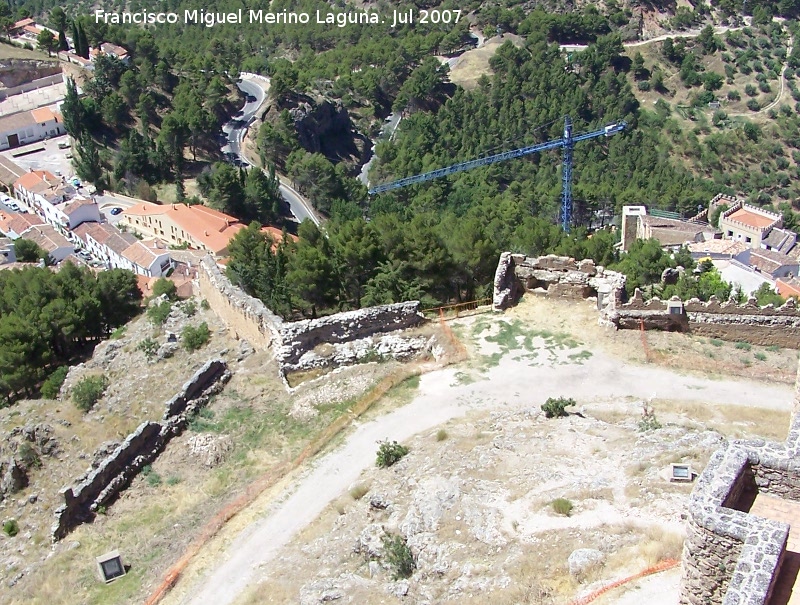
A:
261, 17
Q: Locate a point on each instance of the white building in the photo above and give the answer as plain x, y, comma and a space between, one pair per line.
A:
55, 200
29, 127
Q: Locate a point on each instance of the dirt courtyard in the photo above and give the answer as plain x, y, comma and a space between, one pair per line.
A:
479, 499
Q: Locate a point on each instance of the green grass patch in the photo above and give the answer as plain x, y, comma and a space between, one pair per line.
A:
744, 346
717, 342
760, 356
118, 333
580, 357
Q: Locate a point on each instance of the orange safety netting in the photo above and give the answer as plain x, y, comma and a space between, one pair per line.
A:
274, 475
662, 566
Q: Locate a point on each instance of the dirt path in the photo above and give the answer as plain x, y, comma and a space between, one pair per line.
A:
514, 383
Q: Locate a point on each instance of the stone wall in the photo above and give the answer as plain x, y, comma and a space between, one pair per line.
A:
247, 316
250, 319
731, 557
101, 484
555, 276
748, 322
300, 337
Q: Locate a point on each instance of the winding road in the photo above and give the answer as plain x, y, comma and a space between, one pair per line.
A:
235, 131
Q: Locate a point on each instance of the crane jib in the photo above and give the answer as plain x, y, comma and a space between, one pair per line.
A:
609, 130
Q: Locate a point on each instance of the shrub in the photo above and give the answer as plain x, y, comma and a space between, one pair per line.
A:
750, 90
556, 407
358, 491
644, 85
28, 455
389, 453
733, 95
158, 313
194, 338
441, 435
165, 286
753, 105
399, 556
11, 527
89, 391
648, 421
52, 384
118, 333
744, 346
760, 356
148, 346
716, 342
562, 506
189, 308
204, 305
153, 478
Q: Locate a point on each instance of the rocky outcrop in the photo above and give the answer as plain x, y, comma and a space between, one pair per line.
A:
102, 483
13, 478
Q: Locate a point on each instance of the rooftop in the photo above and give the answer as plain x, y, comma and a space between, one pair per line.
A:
18, 222
47, 237
37, 181
770, 261
753, 217
140, 254
105, 235
205, 225
782, 240
9, 171
718, 246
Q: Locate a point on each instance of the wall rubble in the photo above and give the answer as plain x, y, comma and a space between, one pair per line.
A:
101, 485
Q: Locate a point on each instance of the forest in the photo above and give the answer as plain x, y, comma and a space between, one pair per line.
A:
48, 319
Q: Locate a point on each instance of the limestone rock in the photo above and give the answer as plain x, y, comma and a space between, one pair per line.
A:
370, 542
398, 589
13, 478
210, 449
583, 560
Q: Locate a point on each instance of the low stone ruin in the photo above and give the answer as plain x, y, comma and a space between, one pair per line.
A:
731, 557
554, 276
102, 483
765, 326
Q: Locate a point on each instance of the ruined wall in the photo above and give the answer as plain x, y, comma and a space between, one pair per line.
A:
252, 320
748, 322
101, 485
300, 337
247, 316
555, 276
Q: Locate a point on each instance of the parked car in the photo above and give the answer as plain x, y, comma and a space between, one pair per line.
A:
13, 205
116, 210
63, 145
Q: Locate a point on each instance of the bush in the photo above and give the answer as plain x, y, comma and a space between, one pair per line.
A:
562, 506
556, 408
89, 391
153, 478
733, 95
760, 356
194, 338
744, 346
644, 85
165, 286
441, 435
399, 556
28, 455
204, 305
11, 527
52, 384
118, 333
389, 453
158, 313
148, 346
358, 491
189, 308
753, 105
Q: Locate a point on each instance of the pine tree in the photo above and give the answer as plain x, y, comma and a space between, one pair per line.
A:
72, 110
87, 163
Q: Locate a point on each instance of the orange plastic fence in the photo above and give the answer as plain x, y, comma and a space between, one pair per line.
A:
271, 478
274, 475
459, 307
662, 566
644, 341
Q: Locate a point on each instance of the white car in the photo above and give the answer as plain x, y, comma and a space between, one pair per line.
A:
13, 206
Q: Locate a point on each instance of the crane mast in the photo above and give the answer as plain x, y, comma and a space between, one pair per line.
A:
567, 143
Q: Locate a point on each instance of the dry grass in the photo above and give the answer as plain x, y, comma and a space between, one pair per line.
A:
10, 51
733, 421
475, 63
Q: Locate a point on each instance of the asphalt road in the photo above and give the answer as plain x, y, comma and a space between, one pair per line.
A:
235, 131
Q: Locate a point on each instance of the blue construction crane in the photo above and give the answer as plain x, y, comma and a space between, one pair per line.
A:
567, 142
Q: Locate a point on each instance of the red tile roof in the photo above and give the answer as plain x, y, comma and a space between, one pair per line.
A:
751, 219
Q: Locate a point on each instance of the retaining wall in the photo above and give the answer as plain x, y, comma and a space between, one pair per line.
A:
101, 485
